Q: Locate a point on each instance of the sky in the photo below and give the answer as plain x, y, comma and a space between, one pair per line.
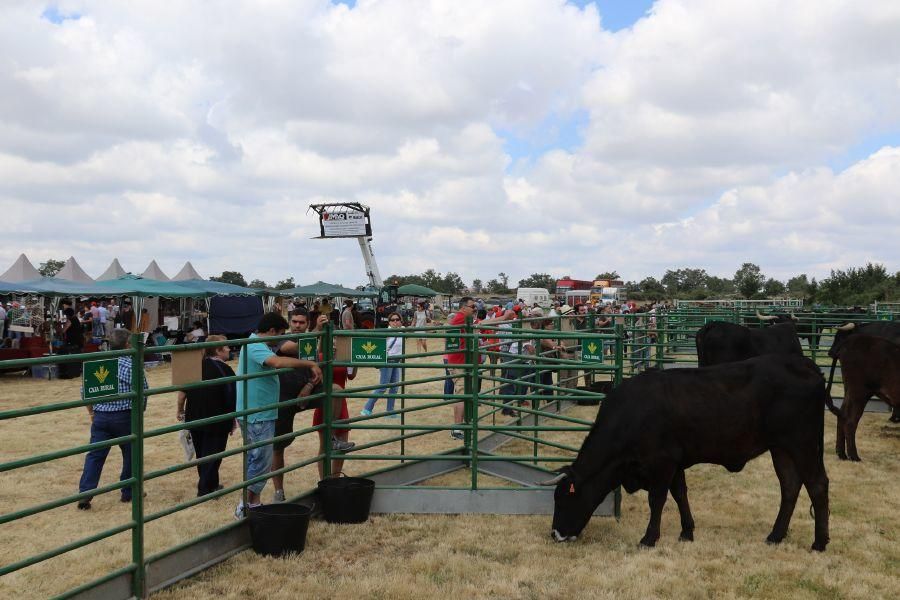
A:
514, 136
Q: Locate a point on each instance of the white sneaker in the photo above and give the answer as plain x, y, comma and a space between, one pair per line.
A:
279, 496
240, 512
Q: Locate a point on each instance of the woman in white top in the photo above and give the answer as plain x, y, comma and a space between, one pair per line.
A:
421, 320
390, 375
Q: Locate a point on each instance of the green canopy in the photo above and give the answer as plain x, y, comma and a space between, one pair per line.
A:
132, 285
322, 289
219, 288
412, 289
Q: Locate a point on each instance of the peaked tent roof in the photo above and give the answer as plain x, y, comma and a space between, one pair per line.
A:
72, 271
320, 288
21, 270
113, 271
154, 272
187, 272
413, 289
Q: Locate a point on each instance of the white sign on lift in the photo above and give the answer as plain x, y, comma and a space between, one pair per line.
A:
343, 224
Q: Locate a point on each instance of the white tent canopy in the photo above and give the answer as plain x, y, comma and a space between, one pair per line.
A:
72, 271
187, 272
113, 271
21, 270
154, 272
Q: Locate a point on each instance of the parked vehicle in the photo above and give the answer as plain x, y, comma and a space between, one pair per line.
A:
534, 295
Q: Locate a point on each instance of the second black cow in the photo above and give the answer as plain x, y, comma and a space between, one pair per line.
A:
720, 342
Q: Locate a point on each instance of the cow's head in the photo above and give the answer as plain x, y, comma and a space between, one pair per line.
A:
843, 332
574, 501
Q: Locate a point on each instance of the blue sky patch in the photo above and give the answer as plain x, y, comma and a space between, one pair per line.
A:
618, 14
562, 132
865, 148
53, 14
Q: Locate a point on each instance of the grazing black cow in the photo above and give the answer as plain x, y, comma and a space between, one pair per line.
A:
657, 424
719, 342
871, 367
888, 330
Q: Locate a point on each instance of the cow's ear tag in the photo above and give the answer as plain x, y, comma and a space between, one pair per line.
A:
571, 488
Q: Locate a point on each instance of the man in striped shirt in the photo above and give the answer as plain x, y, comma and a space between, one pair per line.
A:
110, 420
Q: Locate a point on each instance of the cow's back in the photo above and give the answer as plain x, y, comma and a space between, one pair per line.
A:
724, 414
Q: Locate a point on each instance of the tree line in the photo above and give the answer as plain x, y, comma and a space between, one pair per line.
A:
853, 286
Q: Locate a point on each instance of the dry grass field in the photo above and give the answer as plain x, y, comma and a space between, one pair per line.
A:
463, 556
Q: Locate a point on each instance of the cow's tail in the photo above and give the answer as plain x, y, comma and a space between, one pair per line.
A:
828, 402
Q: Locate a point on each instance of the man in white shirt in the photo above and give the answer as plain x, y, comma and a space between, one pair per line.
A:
104, 317
2, 320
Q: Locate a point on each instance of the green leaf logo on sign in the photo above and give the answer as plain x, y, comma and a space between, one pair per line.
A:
308, 350
365, 350
592, 350
100, 378
886, 317
453, 342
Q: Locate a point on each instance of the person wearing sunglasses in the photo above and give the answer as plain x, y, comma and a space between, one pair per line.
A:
390, 375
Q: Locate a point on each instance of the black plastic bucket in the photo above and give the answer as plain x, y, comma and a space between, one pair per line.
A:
278, 529
346, 499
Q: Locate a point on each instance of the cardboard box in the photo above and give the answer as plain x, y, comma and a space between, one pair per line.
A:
187, 367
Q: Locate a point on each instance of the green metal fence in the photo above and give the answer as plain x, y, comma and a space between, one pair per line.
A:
505, 390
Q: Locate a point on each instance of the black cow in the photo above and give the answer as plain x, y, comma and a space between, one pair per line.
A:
888, 330
657, 424
871, 367
719, 342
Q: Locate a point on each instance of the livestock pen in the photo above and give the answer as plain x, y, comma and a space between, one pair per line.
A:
159, 539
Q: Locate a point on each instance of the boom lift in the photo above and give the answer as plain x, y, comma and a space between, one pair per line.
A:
351, 220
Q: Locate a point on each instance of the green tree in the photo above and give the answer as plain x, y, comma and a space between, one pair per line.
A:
51, 267
285, 284
682, 281
451, 283
233, 277
859, 286
608, 275
652, 289
538, 280
748, 280
798, 286
258, 283
477, 286
495, 287
504, 279
719, 286
773, 288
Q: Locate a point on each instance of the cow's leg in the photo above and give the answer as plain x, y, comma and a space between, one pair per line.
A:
811, 468
855, 399
790, 482
895, 415
840, 439
679, 493
661, 479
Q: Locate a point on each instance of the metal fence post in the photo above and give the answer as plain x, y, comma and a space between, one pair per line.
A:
620, 353
327, 384
471, 406
137, 466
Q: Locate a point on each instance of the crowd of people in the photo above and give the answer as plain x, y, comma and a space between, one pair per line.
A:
283, 395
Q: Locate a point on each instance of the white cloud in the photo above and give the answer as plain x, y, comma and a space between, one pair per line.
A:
179, 130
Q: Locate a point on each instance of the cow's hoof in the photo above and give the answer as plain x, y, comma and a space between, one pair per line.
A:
774, 539
819, 546
647, 543
686, 536
855, 459
842, 456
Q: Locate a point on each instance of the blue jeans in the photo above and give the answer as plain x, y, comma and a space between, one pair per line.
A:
107, 426
259, 460
449, 383
389, 375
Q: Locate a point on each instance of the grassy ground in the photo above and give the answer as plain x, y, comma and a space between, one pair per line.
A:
467, 556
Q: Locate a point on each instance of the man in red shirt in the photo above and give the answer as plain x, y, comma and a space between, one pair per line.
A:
466, 309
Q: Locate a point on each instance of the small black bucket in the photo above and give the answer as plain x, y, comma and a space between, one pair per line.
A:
278, 529
346, 499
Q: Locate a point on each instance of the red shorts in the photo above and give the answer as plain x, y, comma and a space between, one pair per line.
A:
345, 414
